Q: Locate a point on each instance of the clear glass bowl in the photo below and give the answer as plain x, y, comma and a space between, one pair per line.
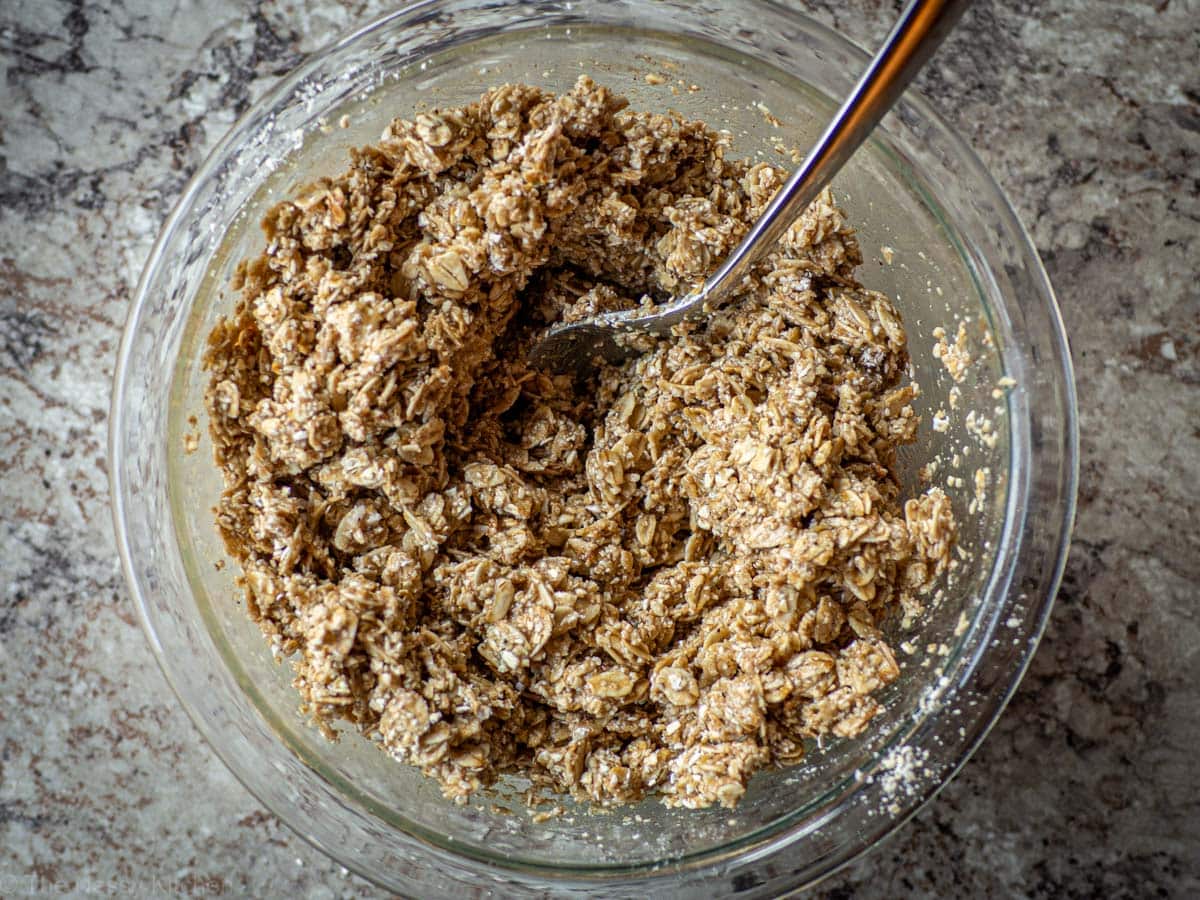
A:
954, 252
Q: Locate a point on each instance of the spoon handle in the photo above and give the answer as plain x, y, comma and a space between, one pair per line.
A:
918, 32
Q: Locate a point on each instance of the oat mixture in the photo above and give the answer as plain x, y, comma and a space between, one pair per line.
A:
657, 582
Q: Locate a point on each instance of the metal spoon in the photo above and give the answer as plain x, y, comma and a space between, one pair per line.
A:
921, 28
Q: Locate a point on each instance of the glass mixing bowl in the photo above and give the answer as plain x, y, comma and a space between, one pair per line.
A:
938, 236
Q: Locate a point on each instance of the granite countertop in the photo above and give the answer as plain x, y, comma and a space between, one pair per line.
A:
1088, 113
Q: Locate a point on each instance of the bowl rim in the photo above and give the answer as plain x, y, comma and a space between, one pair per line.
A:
779, 838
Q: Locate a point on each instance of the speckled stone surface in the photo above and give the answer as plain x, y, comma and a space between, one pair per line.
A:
1088, 113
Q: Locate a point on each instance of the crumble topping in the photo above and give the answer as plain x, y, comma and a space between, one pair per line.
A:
657, 582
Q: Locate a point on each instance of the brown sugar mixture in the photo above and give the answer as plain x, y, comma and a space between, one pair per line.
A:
657, 582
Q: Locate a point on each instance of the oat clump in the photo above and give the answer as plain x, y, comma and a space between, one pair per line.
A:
659, 582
